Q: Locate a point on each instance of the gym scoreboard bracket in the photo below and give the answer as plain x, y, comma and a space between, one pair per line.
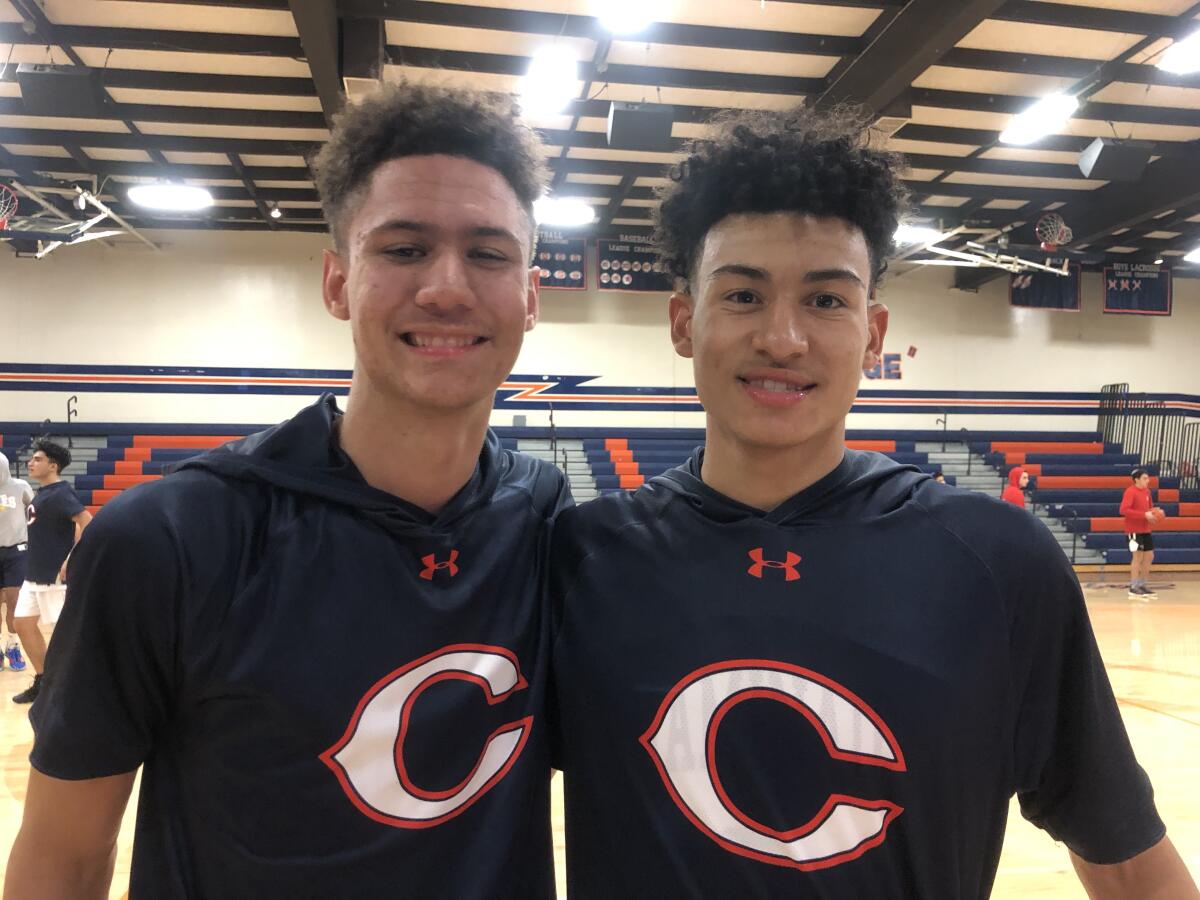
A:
1137, 289
630, 264
562, 261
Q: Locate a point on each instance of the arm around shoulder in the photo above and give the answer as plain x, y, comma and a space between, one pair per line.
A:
66, 847
1155, 874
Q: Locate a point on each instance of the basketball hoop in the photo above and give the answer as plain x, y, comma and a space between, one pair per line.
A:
1053, 231
8, 204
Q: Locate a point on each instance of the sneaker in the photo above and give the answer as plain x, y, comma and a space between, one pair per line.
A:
30, 693
16, 661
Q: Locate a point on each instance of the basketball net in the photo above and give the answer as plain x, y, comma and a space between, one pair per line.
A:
8, 205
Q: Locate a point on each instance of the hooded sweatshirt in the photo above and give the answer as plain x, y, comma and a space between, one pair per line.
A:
335, 693
15, 496
1012, 492
833, 699
1135, 503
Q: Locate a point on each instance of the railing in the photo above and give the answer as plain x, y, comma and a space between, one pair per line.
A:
1160, 436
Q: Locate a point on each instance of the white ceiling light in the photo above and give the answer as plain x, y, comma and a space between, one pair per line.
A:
274, 210
1193, 257
1045, 117
624, 17
563, 212
917, 234
171, 197
1182, 57
551, 82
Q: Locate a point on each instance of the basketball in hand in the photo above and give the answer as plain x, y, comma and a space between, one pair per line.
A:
1158, 513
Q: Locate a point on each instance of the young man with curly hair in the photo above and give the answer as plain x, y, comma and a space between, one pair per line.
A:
786, 669
325, 642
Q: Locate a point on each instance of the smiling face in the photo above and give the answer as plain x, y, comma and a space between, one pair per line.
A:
780, 324
435, 282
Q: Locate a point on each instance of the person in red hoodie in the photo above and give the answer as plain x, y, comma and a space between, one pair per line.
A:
1018, 478
1139, 525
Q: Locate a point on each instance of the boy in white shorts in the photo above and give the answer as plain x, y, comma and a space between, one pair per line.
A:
56, 519
15, 497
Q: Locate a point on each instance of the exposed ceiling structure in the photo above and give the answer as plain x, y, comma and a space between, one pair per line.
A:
235, 95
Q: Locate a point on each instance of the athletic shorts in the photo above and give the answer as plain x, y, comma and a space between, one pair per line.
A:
12, 565
45, 600
1141, 541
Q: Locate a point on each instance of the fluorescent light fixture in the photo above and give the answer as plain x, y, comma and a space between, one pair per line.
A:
551, 82
1159, 261
625, 17
1045, 117
171, 197
1193, 257
1182, 57
917, 234
563, 212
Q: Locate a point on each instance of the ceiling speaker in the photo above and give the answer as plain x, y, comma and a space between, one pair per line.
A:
60, 91
1113, 160
640, 126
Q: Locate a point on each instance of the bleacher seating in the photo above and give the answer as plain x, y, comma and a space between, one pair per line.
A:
1076, 478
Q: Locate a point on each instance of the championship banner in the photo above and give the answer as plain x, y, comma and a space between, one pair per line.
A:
561, 260
631, 265
1139, 289
1044, 290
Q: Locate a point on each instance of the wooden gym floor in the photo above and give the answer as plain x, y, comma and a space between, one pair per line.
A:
1152, 651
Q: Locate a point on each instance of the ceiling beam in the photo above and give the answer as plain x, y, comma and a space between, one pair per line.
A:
317, 24
124, 38
1092, 18
1103, 112
463, 15
240, 169
913, 41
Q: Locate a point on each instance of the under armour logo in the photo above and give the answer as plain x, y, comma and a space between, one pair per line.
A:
788, 565
432, 565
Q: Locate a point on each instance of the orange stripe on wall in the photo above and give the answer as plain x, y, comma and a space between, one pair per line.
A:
616, 443
141, 454
632, 482
1168, 495
127, 467
626, 468
877, 446
620, 456
1189, 509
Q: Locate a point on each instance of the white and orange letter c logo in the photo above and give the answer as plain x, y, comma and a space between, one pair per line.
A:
369, 759
682, 743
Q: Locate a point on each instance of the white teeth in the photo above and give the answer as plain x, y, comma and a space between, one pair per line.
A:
767, 384
431, 340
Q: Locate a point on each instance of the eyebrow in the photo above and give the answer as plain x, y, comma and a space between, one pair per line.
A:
424, 228
756, 274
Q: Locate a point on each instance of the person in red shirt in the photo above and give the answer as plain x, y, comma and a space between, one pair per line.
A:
1139, 525
1018, 478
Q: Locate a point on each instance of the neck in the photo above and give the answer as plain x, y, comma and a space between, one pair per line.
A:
49, 480
763, 476
418, 455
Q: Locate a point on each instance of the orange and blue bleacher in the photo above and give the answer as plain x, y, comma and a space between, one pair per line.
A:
1082, 484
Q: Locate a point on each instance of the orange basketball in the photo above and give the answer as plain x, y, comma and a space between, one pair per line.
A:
1158, 513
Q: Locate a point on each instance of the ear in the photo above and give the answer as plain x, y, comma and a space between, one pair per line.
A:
333, 286
877, 323
533, 302
680, 310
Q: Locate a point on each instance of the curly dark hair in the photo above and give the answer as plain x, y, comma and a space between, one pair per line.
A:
799, 160
56, 453
408, 119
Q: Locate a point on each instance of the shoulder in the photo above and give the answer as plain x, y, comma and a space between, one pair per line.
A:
538, 479
182, 508
595, 524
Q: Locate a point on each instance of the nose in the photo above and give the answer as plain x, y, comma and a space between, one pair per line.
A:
780, 334
445, 285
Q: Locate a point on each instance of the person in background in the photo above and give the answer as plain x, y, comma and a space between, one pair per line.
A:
15, 497
1136, 506
1014, 491
56, 519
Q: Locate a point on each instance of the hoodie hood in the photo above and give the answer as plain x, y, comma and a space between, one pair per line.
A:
1014, 477
5, 473
864, 485
302, 456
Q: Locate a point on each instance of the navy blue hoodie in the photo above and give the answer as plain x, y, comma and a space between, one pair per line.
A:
833, 699
334, 693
